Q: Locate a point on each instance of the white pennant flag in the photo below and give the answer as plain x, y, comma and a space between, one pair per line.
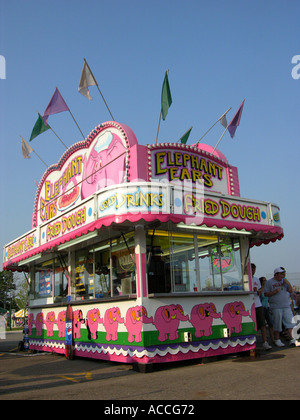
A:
26, 149
223, 121
87, 79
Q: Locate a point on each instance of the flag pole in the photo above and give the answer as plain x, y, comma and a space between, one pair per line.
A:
58, 137
220, 139
72, 115
213, 126
158, 127
76, 123
40, 159
99, 89
54, 133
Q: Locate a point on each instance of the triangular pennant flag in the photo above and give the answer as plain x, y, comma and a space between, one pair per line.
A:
86, 79
166, 98
185, 136
56, 105
234, 123
26, 149
223, 121
39, 128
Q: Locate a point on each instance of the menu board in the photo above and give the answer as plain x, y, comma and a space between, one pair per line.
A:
45, 283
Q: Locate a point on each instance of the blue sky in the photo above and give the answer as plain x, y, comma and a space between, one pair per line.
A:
217, 53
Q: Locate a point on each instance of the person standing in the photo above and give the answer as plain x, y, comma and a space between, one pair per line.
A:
278, 290
259, 310
265, 303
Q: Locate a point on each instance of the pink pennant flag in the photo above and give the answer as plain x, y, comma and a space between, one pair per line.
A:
234, 123
56, 105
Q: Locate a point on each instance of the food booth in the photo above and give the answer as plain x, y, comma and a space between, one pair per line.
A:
149, 245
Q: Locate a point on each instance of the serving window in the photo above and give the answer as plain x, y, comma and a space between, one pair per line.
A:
184, 262
220, 265
60, 279
84, 274
105, 269
123, 265
50, 280
102, 270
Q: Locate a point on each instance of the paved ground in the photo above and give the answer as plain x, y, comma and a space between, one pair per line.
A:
268, 375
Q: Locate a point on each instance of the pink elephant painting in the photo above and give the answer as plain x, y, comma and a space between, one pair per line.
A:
112, 318
202, 317
61, 324
233, 313
135, 317
92, 321
105, 165
167, 319
50, 321
39, 324
77, 322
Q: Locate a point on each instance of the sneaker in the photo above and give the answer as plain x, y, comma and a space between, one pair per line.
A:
266, 346
292, 342
279, 343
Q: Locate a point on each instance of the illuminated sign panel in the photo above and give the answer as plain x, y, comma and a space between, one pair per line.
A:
85, 168
175, 165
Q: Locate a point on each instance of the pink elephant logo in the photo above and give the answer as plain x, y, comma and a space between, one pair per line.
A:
92, 321
202, 317
39, 323
167, 319
112, 318
31, 322
77, 321
50, 321
232, 316
61, 324
105, 164
135, 317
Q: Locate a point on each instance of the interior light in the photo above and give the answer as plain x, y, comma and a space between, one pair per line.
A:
30, 259
203, 228
78, 240
100, 248
179, 234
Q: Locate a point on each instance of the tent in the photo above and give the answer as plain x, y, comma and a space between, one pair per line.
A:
21, 313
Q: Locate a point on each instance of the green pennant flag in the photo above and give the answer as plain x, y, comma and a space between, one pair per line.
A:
166, 98
185, 137
39, 128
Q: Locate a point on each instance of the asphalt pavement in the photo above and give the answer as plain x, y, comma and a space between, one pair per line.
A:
263, 375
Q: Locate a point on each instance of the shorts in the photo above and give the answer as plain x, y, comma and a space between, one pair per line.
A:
260, 317
268, 317
282, 316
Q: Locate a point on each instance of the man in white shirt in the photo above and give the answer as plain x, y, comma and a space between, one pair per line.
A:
278, 291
